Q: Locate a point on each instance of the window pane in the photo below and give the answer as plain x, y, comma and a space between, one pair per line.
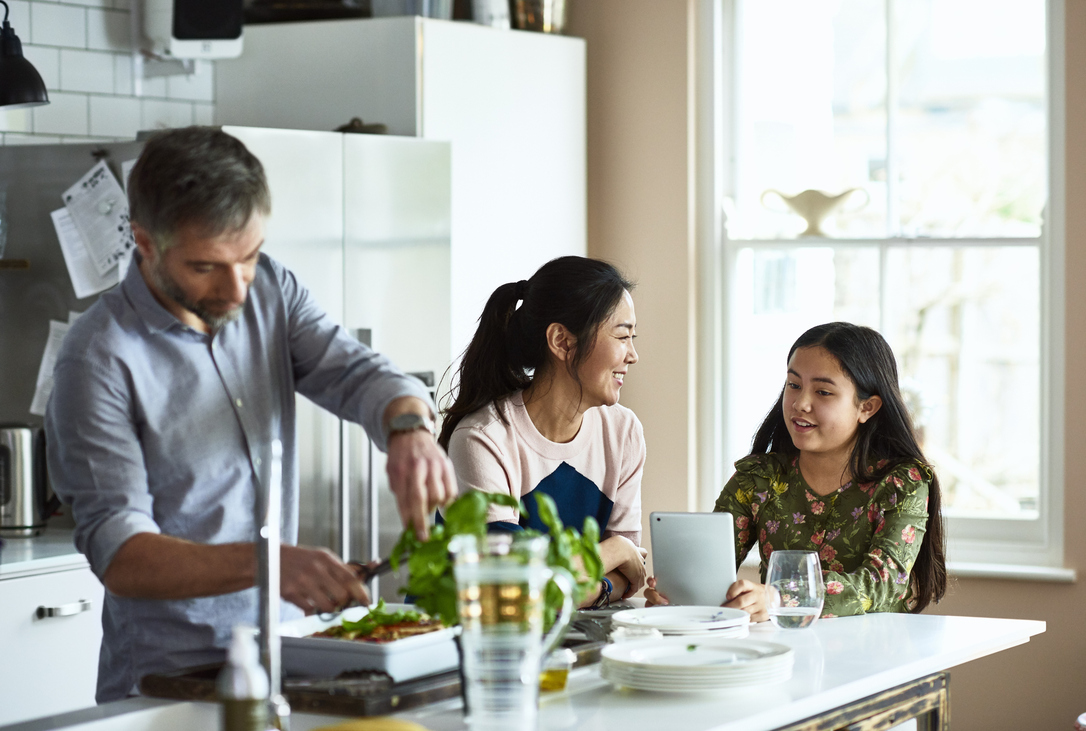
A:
776, 296
972, 117
811, 113
963, 323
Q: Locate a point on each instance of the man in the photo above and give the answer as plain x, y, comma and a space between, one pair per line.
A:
168, 393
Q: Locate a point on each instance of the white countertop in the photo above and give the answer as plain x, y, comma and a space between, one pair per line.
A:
838, 661
52, 551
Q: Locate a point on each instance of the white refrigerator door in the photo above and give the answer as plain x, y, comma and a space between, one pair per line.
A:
397, 285
305, 233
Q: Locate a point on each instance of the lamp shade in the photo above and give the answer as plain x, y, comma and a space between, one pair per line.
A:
20, 83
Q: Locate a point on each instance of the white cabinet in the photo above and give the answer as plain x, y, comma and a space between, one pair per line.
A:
49, 664
512, 104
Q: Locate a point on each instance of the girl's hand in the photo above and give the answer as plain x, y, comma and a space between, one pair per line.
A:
749, 597
654, 598
620, 554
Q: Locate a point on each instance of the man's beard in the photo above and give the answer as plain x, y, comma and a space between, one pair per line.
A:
171, 289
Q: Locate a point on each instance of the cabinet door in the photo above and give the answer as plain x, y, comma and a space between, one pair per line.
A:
49, 665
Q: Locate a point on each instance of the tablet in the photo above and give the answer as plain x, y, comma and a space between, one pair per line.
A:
693, 556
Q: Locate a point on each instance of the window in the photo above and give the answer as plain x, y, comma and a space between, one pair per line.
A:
924, 125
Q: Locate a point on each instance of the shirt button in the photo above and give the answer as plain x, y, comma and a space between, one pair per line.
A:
238, 402
257, 461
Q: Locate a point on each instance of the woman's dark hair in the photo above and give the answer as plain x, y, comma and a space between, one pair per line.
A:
510, 346
866, 358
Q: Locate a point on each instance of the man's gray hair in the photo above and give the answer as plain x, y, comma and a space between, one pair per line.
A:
195, 176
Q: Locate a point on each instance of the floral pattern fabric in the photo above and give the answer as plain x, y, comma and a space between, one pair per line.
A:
867, 535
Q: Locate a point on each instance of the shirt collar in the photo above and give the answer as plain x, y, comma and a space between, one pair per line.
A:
138, 294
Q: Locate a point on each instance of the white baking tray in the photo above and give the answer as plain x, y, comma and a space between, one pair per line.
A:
326, 657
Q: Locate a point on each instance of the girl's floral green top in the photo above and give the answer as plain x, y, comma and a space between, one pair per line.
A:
868, 534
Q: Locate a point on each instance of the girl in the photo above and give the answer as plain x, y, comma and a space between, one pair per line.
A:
537, 409
836, 468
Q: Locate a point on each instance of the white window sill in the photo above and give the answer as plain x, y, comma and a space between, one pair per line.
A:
967, 570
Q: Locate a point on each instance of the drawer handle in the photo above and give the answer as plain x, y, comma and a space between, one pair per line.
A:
64, 610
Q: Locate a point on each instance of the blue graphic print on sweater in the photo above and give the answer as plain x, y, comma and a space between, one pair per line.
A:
575, 496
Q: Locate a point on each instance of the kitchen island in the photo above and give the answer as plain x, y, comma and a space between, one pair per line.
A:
838, 663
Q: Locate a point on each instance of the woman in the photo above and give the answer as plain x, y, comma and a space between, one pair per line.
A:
536, 408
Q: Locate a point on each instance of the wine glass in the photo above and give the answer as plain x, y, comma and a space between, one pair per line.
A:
794, 589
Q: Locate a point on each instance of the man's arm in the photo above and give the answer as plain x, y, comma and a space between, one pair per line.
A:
155, 566
420, 475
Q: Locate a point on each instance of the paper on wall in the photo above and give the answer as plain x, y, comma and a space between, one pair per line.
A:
84, 275
57, 331
99, 209
126, 170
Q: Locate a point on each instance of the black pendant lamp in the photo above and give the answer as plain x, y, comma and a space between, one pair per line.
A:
20, 83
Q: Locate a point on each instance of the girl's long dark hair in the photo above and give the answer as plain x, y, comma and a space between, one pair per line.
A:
869, 362
510, 345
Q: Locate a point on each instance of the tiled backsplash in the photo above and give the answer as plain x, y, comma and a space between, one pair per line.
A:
83, 51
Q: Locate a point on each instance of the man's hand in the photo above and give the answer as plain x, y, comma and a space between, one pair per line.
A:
315, 580
420, 475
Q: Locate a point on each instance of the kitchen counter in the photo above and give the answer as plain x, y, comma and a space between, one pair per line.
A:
838, 662
52, 551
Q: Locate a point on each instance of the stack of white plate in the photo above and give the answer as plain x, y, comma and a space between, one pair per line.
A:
688, 665
686, 621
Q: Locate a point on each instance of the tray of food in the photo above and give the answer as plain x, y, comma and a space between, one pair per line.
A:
395, 638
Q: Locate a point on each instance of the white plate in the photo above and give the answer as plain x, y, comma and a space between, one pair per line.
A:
617, 675
327, 657
699, 655
681, 619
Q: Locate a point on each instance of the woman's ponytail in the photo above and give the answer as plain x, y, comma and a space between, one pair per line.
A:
489, 369
510, 348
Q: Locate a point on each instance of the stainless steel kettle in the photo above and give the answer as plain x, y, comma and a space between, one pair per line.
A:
25, 503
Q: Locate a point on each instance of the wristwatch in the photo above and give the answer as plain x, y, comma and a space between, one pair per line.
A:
409, 422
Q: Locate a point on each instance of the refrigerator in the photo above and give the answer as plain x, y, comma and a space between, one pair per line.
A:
364, 222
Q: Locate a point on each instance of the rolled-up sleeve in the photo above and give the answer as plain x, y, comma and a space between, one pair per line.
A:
337, 372
96, 464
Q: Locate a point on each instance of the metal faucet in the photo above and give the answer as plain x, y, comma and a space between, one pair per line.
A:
267, 560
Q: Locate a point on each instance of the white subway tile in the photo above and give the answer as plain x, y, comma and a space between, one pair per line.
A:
158, 114
47, 61
58, 25
154, 87
109, 30
65, 114
203, 114
86, 71
15, 120
198, 86
19, 18
122, 74
16, 139
115, 116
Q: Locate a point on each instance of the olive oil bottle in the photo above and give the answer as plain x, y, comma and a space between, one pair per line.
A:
242, 685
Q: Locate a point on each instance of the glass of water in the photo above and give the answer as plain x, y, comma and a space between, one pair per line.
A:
794, 589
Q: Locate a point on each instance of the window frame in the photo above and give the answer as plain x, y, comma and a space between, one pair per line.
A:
1022, 548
